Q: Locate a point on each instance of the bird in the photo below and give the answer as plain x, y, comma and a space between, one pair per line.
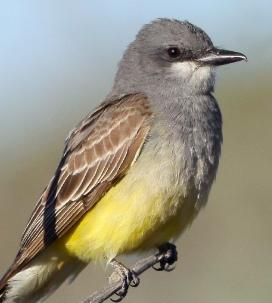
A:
136, 171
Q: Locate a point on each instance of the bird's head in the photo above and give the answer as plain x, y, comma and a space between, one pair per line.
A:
172, 55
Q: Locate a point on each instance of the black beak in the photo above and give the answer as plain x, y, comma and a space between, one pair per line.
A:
216, 56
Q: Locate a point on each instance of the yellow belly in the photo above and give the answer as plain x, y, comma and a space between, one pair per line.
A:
132, 216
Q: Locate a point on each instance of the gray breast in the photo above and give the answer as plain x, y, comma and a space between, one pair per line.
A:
188, 133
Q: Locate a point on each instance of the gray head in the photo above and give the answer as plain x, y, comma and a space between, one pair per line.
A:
176, 56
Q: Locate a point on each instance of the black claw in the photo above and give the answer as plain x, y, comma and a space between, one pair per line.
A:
170, 269
169, 256
117, 300
135, 280
121, 293
157, 268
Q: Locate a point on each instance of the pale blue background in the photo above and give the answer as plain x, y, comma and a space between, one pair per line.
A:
49, 46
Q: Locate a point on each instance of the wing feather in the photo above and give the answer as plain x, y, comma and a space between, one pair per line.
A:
98, 152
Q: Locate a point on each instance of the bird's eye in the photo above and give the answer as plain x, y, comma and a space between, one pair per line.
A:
173, 52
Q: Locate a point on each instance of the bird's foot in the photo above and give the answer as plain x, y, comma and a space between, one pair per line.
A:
127, 276
168, 256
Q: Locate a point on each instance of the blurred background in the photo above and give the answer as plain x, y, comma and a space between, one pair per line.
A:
58, 60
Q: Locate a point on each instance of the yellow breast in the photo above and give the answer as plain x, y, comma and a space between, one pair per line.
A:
134, 215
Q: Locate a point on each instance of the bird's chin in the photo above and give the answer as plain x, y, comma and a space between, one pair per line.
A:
201, 78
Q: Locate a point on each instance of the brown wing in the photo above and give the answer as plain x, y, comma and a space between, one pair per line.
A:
97, 153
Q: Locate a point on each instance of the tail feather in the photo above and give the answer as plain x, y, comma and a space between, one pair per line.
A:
40, 278
2, 294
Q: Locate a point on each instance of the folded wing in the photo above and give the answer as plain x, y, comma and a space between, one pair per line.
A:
98, 152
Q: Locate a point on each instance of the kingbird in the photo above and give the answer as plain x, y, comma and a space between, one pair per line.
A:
135, 171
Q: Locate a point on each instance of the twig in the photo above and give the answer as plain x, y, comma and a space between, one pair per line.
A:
116, 284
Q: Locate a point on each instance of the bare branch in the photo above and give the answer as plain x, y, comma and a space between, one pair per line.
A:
115, 283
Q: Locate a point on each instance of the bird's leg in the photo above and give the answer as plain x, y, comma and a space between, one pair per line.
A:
127, 276
168, 256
